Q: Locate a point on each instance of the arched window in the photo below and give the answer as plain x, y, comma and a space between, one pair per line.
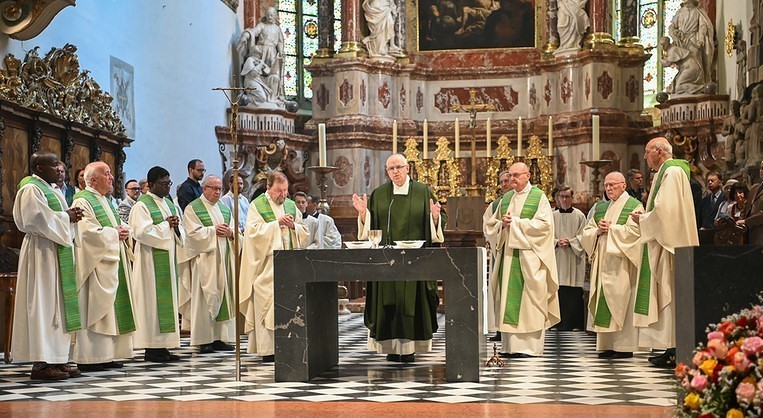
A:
654, 17
299, 23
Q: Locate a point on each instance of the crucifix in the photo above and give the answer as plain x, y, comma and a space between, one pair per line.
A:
473, 108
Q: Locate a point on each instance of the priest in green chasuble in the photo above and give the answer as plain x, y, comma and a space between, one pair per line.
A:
611, 240
103, 276
667, 224
401, 316
273, 223
209, 247
47, 309
158, 234
521, 229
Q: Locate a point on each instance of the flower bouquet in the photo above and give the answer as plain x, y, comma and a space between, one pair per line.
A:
725, 378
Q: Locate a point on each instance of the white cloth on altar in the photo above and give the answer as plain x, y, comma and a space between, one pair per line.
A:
98, 256
211, 259
147, 237
256, 290
39, 332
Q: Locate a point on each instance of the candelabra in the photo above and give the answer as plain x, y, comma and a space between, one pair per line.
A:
596, 165
321, 173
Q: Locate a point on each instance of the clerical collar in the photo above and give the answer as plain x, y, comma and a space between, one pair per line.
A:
527, 188
565, 210
402, 189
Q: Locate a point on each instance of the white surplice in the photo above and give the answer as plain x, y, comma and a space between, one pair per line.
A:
570, 261
147, 237
39, 332
211, 262
98, 257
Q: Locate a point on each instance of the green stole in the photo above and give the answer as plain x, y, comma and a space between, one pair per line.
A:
516, 280
165, 309
122, 304
603, 316
645, 272
263, 207
65, 261
201, 211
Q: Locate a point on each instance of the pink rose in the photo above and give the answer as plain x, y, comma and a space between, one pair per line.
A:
699, 383
718, 348
745, 393
741, 362
715, 335
699, 357
752, 345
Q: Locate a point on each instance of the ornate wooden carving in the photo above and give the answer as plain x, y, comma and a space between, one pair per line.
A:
25, 19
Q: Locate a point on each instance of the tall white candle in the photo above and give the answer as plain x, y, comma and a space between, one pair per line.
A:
394, 136
322, 144
487, 137
550, 136
595, 124
519, 137
426, 131
457, 148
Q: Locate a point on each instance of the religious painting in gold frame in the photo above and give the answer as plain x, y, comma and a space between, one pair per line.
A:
478, 24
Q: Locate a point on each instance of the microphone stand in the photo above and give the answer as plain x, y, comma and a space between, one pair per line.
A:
389, 218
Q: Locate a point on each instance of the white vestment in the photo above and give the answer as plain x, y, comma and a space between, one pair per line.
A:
668, 225
39, 332
570, 261
323, 233
614, 269
211, 261
98, 256
147, 237
261, 238
534, 238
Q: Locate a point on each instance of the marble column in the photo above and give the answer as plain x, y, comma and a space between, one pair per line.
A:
351, 35
400, 31
601, 25
325, 29
251, 13
628, 23
552, 32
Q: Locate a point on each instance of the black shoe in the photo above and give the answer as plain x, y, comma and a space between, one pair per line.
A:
407, 358
608, 354
666, 359
206, 349
496, 337
269, 359
218, 345
91, 367
505, 355
393, 357
622, 354
113, 365
520, 355
160, 355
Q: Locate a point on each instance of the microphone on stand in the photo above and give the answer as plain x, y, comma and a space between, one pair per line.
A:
389, 218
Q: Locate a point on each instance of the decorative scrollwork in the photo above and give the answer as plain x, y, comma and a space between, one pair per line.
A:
502, 161
55, 85
541, 173
25, 19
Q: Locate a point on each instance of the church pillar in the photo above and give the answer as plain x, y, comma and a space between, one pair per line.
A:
251, 14
325, 29
600, 25
628, 23
552, 32
401, 32
351, 35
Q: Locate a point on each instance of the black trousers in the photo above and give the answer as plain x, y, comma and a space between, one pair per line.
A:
572, 308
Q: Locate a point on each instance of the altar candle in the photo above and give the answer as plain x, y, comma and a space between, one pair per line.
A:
426, 130
595, 124
394, 136
457, 138
519, 137
322, 144
550, 136
487, 137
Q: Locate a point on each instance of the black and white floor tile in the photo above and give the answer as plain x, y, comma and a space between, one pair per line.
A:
570, 372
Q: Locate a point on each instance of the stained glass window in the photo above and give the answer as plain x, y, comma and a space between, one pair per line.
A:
299, 23
654, 17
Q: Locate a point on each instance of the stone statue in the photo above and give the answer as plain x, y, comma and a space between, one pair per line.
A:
740, 46
689, 79
572, 22
264, 43
380, 16
733, 130
258, 92
693, 31
754, 122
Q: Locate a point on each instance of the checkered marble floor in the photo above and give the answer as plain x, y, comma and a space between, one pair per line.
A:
569, 372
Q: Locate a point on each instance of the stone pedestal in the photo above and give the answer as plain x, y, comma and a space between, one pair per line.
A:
306, 325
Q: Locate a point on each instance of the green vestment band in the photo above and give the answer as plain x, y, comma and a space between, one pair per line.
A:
165, 308
264, 209
122, 304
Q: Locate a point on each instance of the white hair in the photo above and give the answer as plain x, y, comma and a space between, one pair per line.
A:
210, 177
90, 171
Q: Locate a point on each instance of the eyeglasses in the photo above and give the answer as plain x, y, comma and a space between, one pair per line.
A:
135, 189
216, 189
396, 168
565, 196
165, 183
201, 170
516, 175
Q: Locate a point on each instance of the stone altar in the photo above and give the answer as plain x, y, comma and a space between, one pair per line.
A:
306, 324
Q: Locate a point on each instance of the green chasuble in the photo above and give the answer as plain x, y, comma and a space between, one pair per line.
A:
406, 310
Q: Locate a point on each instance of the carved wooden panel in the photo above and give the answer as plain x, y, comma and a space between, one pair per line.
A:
110, 159
50, 144
15, 164
80, 158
